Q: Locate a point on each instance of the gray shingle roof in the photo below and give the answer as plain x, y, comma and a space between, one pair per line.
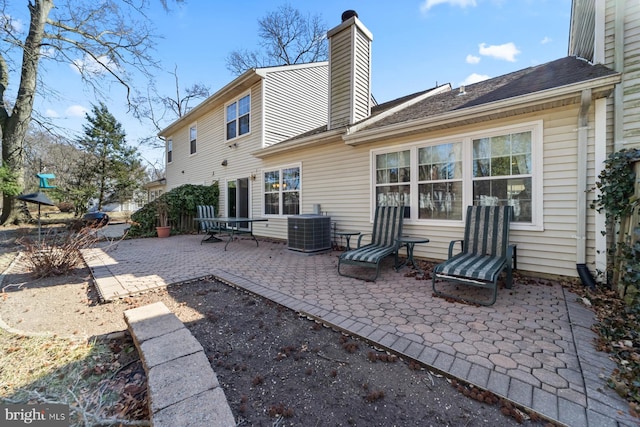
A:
555, 74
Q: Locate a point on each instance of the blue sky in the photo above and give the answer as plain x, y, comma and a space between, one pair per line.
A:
417, 43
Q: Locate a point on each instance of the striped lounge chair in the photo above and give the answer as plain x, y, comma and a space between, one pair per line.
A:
209, 227
387, 227
485, 252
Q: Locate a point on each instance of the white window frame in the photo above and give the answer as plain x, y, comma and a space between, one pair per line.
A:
169, 150
236, 101
281, 190
193, 139
537, 209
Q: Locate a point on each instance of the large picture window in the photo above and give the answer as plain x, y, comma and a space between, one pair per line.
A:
282, 191
438, 179
238, 116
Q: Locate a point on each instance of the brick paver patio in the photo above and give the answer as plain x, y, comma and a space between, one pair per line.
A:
534, 346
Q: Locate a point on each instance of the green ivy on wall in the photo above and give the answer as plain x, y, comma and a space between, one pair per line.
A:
617, 183
181, 202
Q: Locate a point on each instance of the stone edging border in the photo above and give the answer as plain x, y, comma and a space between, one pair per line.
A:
182, 388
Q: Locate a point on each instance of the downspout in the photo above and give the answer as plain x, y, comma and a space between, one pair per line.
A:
581, 206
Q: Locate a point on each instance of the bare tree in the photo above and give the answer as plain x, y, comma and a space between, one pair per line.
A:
173, 107
104, 40
287, 37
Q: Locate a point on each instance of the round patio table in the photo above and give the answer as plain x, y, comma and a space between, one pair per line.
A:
410, 242
347, 235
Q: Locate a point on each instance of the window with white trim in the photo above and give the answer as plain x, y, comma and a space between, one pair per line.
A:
502, 173
238, 115
438, 179
282, 191
169, 150
393, 175
193, 136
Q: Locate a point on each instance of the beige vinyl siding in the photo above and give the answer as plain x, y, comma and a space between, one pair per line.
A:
362, 99
338, 178
205, 167
609, 30
626, 16
340, 79
631, 79
295, 102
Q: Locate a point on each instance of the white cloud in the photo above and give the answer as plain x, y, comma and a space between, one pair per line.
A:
545, 40
507, 51
428, 4
48, 52
474, 78
92, 66
51, 113
8, 22
76, 111
471, 59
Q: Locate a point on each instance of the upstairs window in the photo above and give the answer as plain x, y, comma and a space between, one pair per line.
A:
193, 136
169, 150
238, 117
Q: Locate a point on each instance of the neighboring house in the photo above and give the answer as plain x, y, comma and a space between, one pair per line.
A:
525, 139
155, 189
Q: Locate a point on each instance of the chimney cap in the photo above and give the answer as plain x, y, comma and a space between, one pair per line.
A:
349, 14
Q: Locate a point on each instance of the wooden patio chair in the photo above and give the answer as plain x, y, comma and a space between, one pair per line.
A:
387, 227
485, 253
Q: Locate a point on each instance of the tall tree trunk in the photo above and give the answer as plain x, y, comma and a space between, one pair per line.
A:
15, 125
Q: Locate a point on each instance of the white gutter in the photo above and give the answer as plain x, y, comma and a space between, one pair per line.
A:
493, 108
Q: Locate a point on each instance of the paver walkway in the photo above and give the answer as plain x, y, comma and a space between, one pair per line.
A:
534, 346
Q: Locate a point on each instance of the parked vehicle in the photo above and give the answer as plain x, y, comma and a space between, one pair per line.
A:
95, 219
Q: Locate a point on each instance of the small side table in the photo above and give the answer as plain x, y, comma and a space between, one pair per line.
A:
410, 242
347, 235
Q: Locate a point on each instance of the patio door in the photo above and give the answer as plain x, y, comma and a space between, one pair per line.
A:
238, 200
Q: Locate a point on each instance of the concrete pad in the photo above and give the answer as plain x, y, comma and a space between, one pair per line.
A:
169, 346
168, 382
207, 409
150, 321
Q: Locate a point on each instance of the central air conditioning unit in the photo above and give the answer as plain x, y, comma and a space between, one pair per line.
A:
309, 233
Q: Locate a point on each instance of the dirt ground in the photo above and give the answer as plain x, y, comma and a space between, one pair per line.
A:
276, 367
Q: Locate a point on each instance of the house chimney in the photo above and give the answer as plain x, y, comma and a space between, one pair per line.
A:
349, 71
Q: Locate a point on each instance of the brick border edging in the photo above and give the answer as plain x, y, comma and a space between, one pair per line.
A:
182, 387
